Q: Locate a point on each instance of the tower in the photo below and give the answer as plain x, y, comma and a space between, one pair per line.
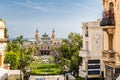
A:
2, 42
37, 36
53, 36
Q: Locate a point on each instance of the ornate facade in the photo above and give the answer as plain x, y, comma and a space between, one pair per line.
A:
110, 24
92, 50
47, 44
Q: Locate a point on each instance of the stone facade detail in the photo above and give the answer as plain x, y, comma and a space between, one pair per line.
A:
92, 50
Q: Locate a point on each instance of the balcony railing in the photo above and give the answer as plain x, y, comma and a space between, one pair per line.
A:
108, 55
84, 53
108, 18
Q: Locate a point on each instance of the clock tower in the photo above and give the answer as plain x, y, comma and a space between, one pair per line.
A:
3, 43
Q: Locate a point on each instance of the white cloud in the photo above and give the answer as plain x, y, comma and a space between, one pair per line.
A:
34, 5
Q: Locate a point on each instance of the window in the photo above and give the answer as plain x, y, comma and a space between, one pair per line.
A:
94, 72
93, 66
48, 47
117, 70
93, 61
87, 45
86, 34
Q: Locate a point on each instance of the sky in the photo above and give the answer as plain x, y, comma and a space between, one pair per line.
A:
23, 17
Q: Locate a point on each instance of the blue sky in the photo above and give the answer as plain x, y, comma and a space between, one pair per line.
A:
23, 17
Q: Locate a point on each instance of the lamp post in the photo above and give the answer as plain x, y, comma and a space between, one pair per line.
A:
20, 68
64, 74
65, 70
20, 61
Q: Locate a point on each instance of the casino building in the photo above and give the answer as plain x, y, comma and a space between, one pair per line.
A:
47, 44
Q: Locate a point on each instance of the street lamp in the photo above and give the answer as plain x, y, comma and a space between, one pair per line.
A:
20, 68
65, 70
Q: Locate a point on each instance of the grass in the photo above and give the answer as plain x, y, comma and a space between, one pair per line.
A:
45, 69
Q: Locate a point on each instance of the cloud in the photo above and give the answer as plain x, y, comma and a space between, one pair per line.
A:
34, 5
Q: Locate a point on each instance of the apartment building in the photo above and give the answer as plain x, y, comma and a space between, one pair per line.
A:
92, 50
110, 24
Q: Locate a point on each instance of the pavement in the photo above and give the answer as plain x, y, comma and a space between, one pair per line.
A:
53, 77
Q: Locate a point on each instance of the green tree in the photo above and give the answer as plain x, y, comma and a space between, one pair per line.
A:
25, 61
13, 59
69, 50
22, 53
75, 65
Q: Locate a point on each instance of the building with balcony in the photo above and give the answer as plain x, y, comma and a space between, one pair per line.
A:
110, 24
3, 45
92, 50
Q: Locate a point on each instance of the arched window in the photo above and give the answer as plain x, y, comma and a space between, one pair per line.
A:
111, 13
111, 5
111, 9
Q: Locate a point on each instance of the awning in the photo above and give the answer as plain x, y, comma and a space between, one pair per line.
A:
118, 78
3, 74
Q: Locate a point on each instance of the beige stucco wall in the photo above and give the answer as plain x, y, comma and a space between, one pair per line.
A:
2, 33
94, 42
95, 39
105, 41
2, 43
116, 35
117, 30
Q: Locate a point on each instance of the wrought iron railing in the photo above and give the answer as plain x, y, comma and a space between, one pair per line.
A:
108, 18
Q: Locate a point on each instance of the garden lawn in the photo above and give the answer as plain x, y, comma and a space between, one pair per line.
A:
45, 69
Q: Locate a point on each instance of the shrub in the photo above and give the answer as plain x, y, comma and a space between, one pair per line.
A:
80, 78
45, 69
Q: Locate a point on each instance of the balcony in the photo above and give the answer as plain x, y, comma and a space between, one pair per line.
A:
108, 18
108, 55
84, 53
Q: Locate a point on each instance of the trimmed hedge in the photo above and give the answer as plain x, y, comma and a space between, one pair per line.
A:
45, 69
80, 78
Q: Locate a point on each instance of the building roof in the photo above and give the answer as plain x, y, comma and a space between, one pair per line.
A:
2, 20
